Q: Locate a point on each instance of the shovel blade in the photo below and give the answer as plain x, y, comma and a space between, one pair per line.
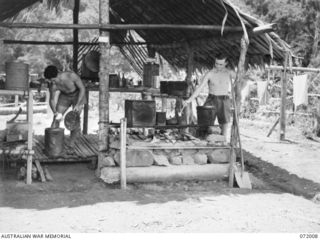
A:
243, 180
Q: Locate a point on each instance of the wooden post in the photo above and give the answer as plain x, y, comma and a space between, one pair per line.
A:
86, 114
75, 36
104, 44
16, 100
29, 144
189, 81
237, 96
123, 152
283, 100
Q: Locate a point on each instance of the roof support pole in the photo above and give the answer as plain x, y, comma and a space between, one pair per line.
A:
190, 69
75, 35
237, 83
283, 100
104, 43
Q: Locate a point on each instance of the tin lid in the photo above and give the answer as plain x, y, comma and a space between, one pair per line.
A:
72, 120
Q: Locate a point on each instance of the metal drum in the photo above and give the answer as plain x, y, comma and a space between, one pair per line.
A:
17, 76
54, 142
206, 115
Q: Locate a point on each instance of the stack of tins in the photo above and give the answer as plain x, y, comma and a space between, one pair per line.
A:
17, 76
140, 113
150, 71
54, 142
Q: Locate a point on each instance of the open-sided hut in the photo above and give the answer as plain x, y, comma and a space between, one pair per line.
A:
187, 33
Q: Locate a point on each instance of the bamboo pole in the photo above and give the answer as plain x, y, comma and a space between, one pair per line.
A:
283, 100
75, 35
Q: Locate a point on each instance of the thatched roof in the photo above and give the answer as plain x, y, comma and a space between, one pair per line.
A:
172, 44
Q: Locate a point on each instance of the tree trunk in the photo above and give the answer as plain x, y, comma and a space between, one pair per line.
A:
104, 43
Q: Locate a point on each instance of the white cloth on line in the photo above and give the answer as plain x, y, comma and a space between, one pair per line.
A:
300, 90
262, 92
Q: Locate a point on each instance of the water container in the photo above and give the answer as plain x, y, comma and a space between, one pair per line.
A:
206, 115
54, 142
161, 118
17, 76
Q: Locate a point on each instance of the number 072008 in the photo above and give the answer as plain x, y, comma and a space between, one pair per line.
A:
308, 235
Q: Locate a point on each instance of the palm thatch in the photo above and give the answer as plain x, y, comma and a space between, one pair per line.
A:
173, 44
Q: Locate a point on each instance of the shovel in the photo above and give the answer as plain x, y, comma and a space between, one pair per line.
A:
242, 177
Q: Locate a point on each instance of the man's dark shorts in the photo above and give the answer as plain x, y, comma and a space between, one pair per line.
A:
222, 105
68, 99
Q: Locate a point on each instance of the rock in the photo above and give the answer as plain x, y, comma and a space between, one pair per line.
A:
115, 144
136, 158
110, 175
212, 138
160, 160
175, 160
107, 162
219, 156
200, 158
187, 159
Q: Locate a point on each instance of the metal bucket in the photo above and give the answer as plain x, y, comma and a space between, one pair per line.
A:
91, 60
54, 142
17, 76
206, 115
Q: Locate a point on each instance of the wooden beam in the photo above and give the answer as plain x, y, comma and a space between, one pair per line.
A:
283, 100
44, 42
167, 174
107, 26
302, 69
75, 35
104, 44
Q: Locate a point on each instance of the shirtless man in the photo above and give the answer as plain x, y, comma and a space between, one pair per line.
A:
218, 80
66, 89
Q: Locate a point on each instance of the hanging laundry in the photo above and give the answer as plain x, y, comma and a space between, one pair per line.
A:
263, 94
300, 90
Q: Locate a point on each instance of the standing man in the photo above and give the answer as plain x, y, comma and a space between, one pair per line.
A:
66, 89
218, 81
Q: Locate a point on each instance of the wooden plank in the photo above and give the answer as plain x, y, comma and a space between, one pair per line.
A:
159, 147
42, 176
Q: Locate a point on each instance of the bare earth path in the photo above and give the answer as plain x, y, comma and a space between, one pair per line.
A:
76, 201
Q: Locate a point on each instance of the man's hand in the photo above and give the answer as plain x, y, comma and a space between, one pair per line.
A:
57, 116
77, 108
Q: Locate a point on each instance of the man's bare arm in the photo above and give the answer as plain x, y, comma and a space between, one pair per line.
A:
52, 102
204, 82
82, 93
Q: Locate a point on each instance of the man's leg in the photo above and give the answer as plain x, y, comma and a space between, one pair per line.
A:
62, 107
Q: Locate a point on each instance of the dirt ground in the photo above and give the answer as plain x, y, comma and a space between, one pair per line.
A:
76, 201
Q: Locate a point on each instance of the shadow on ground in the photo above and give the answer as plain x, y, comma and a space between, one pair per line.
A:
280, 178
76, 185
